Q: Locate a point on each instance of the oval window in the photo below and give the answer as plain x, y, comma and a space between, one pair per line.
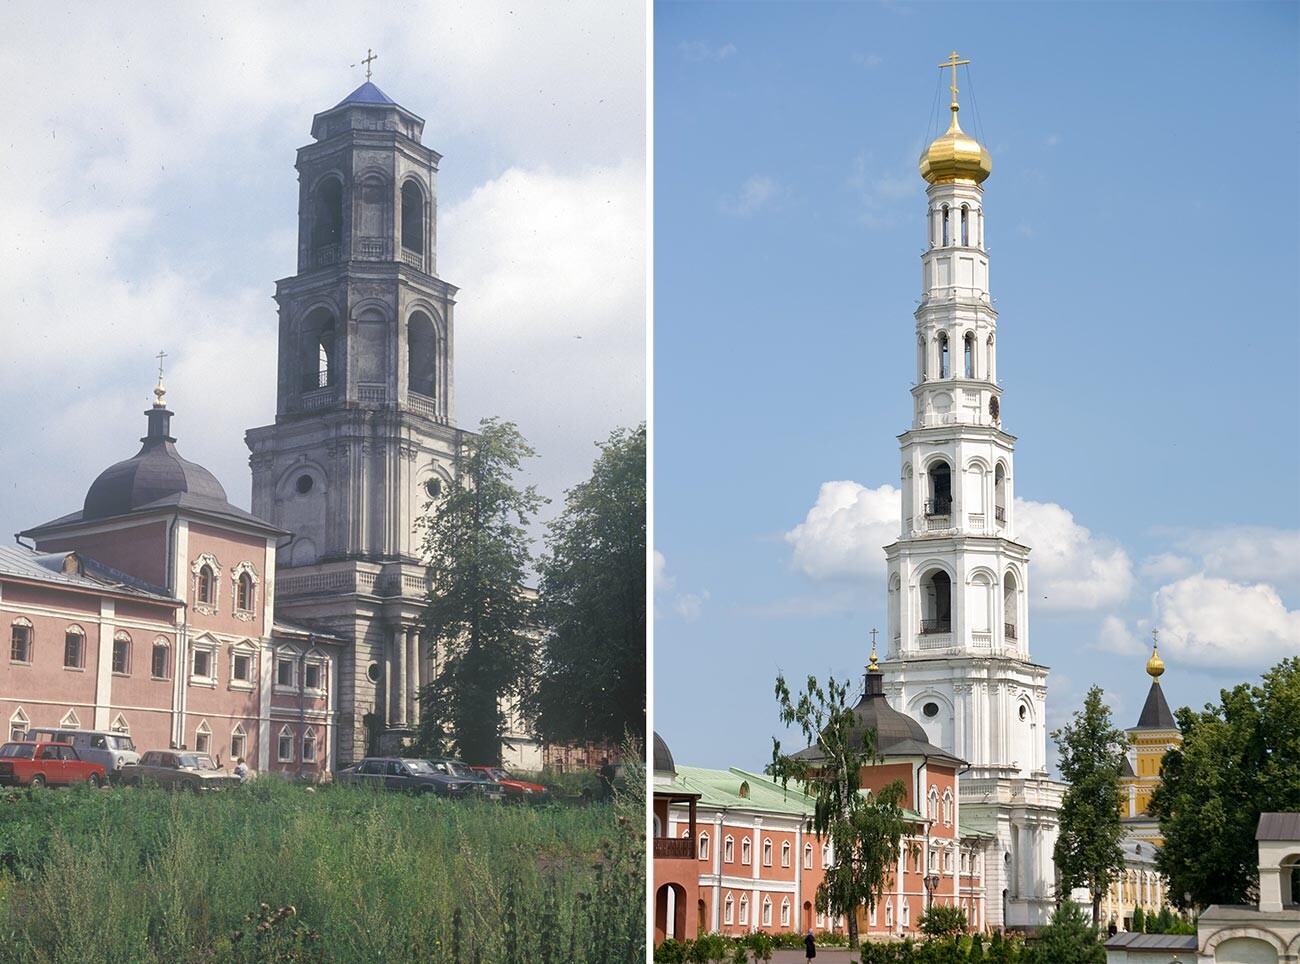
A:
304, 484
930, 709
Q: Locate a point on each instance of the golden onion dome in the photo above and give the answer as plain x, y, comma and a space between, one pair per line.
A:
1155, 665
955, 157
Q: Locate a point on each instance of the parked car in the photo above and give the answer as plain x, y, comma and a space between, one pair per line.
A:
111, 750
178, 770
488, 789
515, 789
402, 773
36, 764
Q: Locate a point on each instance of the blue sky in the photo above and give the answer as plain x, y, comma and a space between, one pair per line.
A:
1142, 220
149, 201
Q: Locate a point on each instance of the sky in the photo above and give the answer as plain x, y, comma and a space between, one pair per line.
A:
149, 203
1141, 219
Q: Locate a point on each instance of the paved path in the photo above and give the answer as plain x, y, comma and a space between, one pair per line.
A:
825, 955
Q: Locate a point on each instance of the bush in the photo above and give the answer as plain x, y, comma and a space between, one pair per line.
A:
1139, 920
941, 920
1069, 938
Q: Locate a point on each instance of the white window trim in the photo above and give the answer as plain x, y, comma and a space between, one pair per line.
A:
729, 850
767, 912
807, 856
206, 559
244, 648
204, 644
164, 643
744, 909
70, 721
317, 659
19, 718
703, 843
249, 614
309, 737
746, 852
31, 640
120, 725
203, 730
785, 911
279, 745
728, 910
122, 636
785, 853
292, 656
238, 731
767, 851
75, 630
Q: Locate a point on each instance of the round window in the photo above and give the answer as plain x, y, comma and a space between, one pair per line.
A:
433, 488
930, 709
1023, 712
372, 673
304, 484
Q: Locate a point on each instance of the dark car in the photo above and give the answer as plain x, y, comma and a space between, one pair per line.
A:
402, 773
485, 787
178, 770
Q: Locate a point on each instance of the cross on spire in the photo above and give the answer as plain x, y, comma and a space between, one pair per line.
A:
371, 56
1155, 637
160, 391
954, 63
872, 667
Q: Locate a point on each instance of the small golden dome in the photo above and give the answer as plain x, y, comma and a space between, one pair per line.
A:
1155, 665
955, 157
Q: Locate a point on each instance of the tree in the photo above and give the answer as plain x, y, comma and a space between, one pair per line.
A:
1139, 919
1067, 938
478, 614
593, 604
940, 920
865, 831
1087, 850
1238, 759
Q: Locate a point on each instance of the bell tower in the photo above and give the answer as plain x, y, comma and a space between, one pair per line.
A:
364, 433
958, 644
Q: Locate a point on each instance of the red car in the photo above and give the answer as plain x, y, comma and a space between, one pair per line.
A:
516, 790
38, 764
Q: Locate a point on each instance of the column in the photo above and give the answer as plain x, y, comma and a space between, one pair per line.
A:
399, 692
413, 664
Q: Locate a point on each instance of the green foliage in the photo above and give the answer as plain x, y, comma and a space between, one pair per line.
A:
1068, 938
1087, 852
761, 945
1167, 922
865, 832
670, 951
344, 874
976, 952
1139, 920
591, 687
477, 615
942, 919
1238, 759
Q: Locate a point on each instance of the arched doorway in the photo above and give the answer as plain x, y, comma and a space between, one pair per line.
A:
806, 921
670, 912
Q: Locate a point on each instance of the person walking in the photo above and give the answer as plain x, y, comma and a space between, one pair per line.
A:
810, 945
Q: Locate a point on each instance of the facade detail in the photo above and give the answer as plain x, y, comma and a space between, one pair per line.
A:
958, 628
364, 429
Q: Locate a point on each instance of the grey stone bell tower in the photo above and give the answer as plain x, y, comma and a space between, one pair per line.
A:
364, 429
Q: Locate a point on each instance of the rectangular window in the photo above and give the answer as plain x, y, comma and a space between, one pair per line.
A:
309, 749
72, 645
311, 676
236, 745
158, 665
201, 742
202, 663
20, 644
17, 734
241, 668
121, 656
285, 749
284, 672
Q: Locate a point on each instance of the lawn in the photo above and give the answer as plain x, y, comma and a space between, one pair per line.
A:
273, 872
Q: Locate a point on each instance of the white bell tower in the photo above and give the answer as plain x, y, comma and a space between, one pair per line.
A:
958, 643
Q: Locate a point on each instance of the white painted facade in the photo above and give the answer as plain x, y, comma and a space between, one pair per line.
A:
958, 637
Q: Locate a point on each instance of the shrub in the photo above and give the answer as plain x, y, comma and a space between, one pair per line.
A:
942, 919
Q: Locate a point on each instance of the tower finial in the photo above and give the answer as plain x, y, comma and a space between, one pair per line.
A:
160, 391
1155, 665
872, 667
371, 56
954, 63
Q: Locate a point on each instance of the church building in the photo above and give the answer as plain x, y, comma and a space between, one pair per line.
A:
958, 639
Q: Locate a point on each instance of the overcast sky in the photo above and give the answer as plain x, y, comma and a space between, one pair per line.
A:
1142, 221
149, 202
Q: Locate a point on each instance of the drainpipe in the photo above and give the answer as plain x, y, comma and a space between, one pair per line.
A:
18, 538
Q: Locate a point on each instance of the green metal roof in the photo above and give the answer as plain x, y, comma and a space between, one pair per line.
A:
722, 789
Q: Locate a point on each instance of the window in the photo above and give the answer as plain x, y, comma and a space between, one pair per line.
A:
20, 641
704, 845
207, 586
873, 914
744, 909
932, 801
728, 910
309, 746
889, 914
826, 856
241, 667
785, 911
905, 915
238, 742
947, 861
422, 355
244, 592
284, 671
120, 725
159, 662
74, 648
412, 217
728, 850
947, 808
311, 676
767, 911
785, 854
70, 721
965, 226
284, 748
745, 851
807, 856
18, 724
944, 371
122, 653
947, 234
969, 353
767, 852
202, 663
821, 920
203, 738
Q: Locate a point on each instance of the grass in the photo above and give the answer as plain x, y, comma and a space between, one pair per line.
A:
274, 872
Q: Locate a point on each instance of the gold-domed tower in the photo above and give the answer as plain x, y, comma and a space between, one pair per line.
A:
955, 157
1156, 732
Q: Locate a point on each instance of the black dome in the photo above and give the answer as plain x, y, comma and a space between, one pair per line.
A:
873, 712
663, 759
155, 472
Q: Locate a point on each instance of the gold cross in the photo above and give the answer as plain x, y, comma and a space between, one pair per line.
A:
372, 56
954, 63
160, 356
1155, 637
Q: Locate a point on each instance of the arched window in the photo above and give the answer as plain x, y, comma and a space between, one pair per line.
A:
318, 350
1000, 493
327, 221
203, 737
965, 226
728, 850
284, 745
990, 367
744, 909
745, 851
947, 808
372, 218
826, 856
238, 742
728, 910
889, 914
767, 851
422, 355
921, 362
807, 856
947, 235
74, 648
905, 915
244, 592
767, 911
785, 911
412, 217
704, 845
21, 638
943, 355
932, 801
207, 586
309, 746
936, 603
18, 725
969, 352
160, 661
1010, 607
122, 652
940, 502
785, 854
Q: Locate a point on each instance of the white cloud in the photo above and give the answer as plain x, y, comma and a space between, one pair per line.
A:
697, 51
1114, 636
690, 605
1248, 553
1215, 622
662, 581
686, 605
1167, 565
1070, 568
846, 530
752, 196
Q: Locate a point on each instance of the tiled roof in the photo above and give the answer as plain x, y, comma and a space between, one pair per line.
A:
74, 571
